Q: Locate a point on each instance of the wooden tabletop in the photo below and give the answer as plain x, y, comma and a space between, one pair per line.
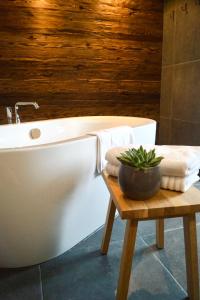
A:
164, 204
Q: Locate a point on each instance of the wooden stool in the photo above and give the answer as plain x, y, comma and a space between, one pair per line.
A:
165, 204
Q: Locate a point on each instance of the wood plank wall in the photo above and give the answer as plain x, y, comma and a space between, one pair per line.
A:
86, 57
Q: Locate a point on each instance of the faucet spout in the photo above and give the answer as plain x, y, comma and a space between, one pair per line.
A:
35, 104
17, 118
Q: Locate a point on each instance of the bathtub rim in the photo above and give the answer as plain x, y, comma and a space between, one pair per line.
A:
147, 121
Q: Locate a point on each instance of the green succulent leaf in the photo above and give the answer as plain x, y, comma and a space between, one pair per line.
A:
140, 158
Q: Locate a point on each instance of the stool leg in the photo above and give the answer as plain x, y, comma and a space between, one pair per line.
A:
191, 256
160, 233
108, 227
126, 259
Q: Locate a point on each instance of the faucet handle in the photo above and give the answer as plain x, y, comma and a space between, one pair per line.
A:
9, 114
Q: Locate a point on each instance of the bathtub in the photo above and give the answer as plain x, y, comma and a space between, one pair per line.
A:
51, 195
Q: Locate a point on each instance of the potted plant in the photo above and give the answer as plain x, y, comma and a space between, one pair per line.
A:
139, 173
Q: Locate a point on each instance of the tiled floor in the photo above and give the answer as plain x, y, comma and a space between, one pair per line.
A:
84, 274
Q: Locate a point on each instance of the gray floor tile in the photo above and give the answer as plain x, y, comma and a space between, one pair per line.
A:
173, 256
20, 284
83, 273
146, 228
150, 281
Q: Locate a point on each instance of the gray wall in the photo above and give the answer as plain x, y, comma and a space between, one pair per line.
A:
180, 84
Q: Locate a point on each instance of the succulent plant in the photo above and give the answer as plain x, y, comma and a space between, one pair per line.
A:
140, 158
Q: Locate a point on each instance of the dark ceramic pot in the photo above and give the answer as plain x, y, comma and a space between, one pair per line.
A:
139, 184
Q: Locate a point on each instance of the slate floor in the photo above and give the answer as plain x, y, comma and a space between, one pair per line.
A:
83, 273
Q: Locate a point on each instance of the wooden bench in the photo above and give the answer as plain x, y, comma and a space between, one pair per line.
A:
165, 204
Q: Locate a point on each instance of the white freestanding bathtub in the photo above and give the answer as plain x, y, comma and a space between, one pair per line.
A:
51, 196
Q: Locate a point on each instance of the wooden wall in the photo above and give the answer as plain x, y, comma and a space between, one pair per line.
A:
86, 57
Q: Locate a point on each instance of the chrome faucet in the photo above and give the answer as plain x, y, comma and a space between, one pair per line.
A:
9, 114
17, 118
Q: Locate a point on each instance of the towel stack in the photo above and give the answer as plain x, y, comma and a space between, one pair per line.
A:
179, 168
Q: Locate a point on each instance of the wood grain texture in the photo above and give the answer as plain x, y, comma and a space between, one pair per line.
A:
126, 259
160, 238
81, 57
191, 256
108, 227
164, 204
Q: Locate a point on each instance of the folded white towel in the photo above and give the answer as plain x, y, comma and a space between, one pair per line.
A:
175, 183
111, 155
109, 138
178, 160
112, 169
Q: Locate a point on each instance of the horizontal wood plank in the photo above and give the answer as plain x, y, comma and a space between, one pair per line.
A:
162, 205
81, 57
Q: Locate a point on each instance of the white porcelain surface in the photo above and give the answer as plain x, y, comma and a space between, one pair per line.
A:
51, 196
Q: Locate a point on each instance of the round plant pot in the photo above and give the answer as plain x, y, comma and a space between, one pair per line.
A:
139, 184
